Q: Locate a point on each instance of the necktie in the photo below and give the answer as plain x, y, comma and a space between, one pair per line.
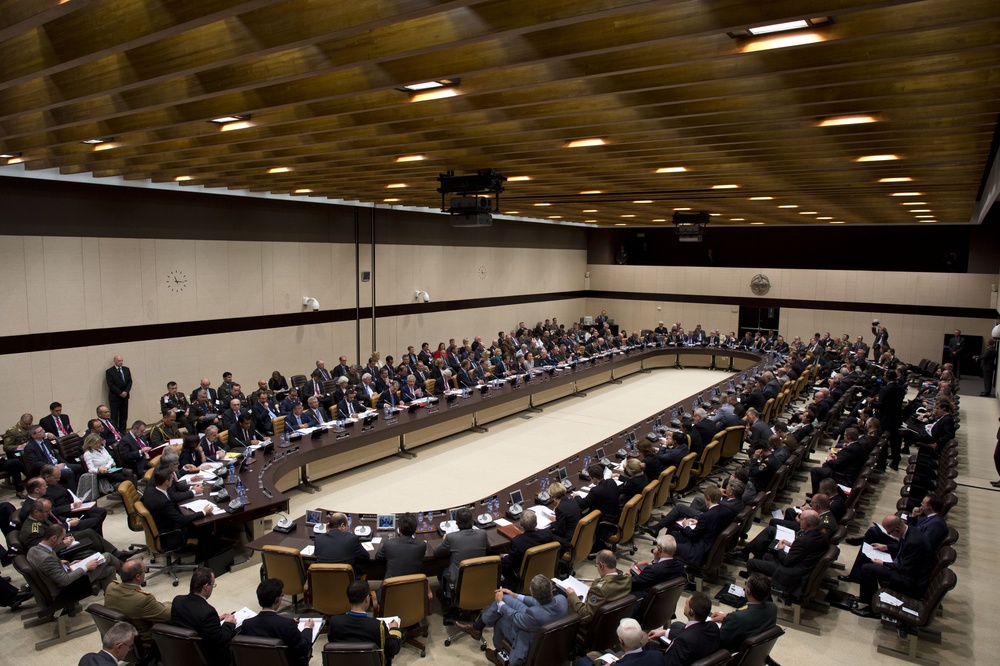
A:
59, 426
350, 409
246, 436
122, 373
111, 428
48, 452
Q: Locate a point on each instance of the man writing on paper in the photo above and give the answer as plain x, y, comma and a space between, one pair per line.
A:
789, 570
356, 626
58, 575
192, 611
268, 624
611, 584
906, 573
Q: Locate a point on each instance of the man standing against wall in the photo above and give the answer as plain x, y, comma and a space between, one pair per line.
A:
119, 379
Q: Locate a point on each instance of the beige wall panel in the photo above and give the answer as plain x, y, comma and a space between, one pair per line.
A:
14, 295
267, 301
64, 285
90, 272
151, 282
246, 277
121, 280
174, 261
212, 280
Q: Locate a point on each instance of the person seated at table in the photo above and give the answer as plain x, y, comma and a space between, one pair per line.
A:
694, 640
165, 430
663, 568
356, 626
630, 638
568, 513
278, 384
531, 536
243, 433
211, 446
602, 497
516, 618
458, 546
314, 413
204, 412
635, 479
410, 391
609, 585
390, 396
268, 624
264, 412
403, 554
232, 416
339, 545
192, 457
57, 576
176, 527
291, 397
99, 461
350, 406
192, 611
297, 419
696, 536
64, 506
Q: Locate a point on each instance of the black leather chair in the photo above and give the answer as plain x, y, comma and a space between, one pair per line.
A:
601, 632
47, 606
553, 642
256, 651
717, 658
660, 603
178, 645
105, 618
755, 649
352, 654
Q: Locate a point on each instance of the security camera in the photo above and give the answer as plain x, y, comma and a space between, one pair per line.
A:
315, 305
427, 297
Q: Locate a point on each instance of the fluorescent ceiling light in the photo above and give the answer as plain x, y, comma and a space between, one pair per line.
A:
714, 214
877, 158
512, 212
906, 194
671, 170
914, 203
659, 220
724, 187
242, 124
628, 215
788, 206
783, 42
836, 221
585, 143
921, 210
685, 208
105, 146
440, 93
778, 27
97, 142
592, 192
411, 158
620, 224
555, 217
922, 221
390, 200
428, 85
847, 120
279, 170
395, 186
739, 219
542, 204
514, 179
643, 201
225, 120
181, 179
303, 190
824, 218
9, 156
808, 212
903, 179
760, 199
927, 217
756, 223
590, 221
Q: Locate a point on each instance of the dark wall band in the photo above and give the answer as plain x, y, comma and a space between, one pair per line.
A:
20, 344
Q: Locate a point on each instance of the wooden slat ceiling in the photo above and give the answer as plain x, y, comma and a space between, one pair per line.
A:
662, 83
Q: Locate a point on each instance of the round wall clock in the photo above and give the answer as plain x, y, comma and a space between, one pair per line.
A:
176, 281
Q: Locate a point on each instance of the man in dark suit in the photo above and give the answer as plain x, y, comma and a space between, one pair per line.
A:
192, 611
315, 388
210, 393
56, 422
843, 466
568, 514
212, 446
403, 554
390, 396
168, 517
889, 409
297, 419
314, 413
263, 413
268, 624
788, 571
519, 545
696, 639
339, 545
40, 450
243, 433
231, 416
602, 497
758, 432
116, 643
907, 573
663, 568
350, 406
696, 536
458, 546
630, 638
65, 506
356, 626
411, 390
119, 380
758, 615
61, 580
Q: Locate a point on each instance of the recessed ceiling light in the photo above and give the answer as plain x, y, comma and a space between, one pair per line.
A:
756, 223
671, 170
279, 169
395, 186
913, 203
592, 192
427, 85
926, 221
411, 158
512, 212
659, 220
390, 200
903, 179
714, 214
242, 124
724, 187
516, 179
590, 221
778, 27
15, 160
906, 194
439, 93
555, 217
929, 217
225, 120
628, 215
921, 210
760, 199
620, 224
836, 221
847, 120
738, 219
590, 210
682, 209
808, 212
824, 218
106, 146
181, 179
97, 142
303, 190
788, 206
783, 42
9, 156
584, 143
877, 158
643, 201
542, 204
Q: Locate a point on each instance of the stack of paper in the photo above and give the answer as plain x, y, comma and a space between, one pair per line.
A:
307, 551
200, 505
874, 555
82, 564
242, 615
572, 583
317, 627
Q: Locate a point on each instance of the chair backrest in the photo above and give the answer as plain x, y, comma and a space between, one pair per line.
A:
286, 565
148, 475
811, 588
626, 521
477, 581
663, 491
602, 630
768, 414
708, 454
352, 654
105, 618
943, 559
756, 648
256, 651
733, 442
130, 495
328, 585
178, 645
329, 386
583, 538
43, 598
683, 475
70, 446
224, 436
278, 424
660, 603
149, 527
950, 539
406, 596
717, 658
298, 381
723, 544
429, 386
541, 559
553, 642
647, 500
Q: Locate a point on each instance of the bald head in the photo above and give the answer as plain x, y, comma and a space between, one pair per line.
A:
809, 519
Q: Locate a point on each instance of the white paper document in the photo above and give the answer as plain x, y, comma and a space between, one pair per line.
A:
307, 551
545, 515
82, 564
318, 623
887, 598
572, 583
873, 554
243, 614
200, 505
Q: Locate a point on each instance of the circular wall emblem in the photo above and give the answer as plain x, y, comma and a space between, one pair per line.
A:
759, 284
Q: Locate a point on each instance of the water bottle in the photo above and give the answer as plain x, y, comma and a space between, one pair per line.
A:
388, 410
232, 473
420, 521
348, 522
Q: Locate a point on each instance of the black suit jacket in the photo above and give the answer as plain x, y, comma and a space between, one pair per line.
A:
520, 544
194, 612
101, 658
336, 547
693, 544
213, 395
49, 424
849, 462
796, 565
262, 418
130, 450
388, 399
34, 456
212, 450
268, 624
693, 643
231, 418
568, 514
748, 621
239, 438
355, 628
166, 514
914, 560
604, 498
355, 405
655, 573
115, 382
403, 556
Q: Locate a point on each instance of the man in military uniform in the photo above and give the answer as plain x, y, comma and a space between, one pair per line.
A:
226, 388
174, 402
610, 584
17, 435
166, 430
41, 516
263, 388
139, 606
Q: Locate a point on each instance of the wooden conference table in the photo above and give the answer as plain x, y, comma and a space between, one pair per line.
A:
270, 475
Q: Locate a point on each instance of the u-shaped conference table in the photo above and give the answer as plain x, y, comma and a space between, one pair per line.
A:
270, 475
